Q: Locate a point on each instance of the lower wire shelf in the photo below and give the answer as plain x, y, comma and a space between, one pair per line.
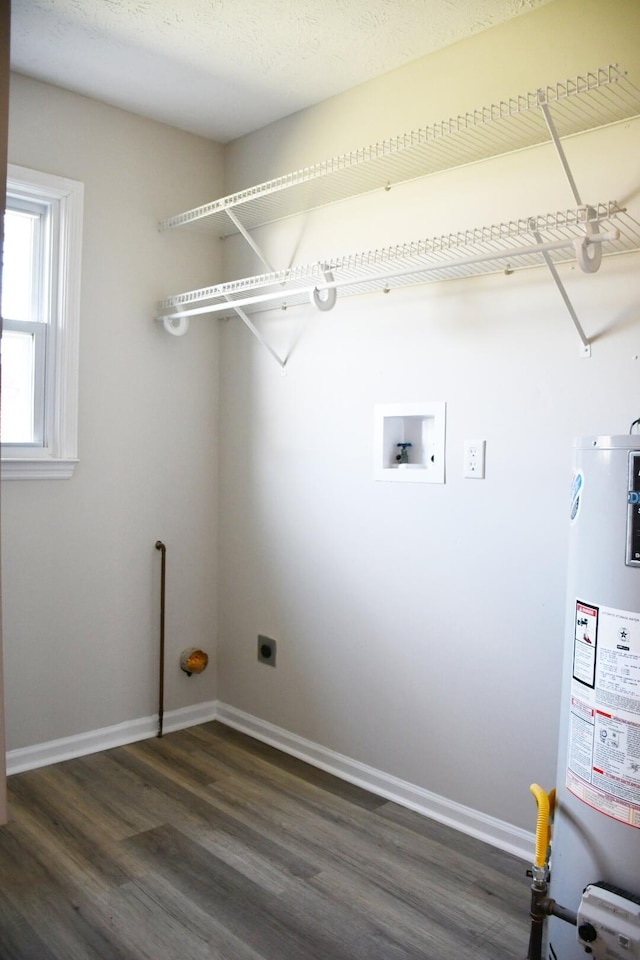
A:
530, 242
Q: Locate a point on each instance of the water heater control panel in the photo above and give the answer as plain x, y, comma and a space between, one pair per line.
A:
609, 923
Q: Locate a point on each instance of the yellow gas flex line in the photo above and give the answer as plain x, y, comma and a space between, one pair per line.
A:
546, 804
543, 906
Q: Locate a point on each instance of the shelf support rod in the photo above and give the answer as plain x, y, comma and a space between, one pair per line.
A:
247, 236
546, 113
548, 119
256, 333
586, 346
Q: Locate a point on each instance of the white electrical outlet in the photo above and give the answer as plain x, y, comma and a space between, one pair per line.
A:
474, 455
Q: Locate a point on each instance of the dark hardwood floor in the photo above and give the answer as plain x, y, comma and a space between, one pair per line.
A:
207, 844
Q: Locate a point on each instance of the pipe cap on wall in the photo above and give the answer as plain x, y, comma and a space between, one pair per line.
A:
193, 661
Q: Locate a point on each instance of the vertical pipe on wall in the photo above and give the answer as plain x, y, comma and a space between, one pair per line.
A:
5, 26
163, 572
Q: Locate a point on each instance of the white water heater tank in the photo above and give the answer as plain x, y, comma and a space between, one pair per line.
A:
596, 831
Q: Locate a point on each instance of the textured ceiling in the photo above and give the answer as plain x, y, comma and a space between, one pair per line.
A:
222, 68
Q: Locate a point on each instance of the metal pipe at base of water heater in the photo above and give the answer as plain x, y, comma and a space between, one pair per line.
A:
595, 861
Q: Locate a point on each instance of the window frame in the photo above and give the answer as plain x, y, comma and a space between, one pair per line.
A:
57, 455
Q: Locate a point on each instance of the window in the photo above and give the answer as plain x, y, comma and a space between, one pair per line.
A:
41, 312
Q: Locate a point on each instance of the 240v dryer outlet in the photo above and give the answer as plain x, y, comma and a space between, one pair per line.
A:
266, 650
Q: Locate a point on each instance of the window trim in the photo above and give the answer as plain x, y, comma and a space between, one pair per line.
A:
58, 459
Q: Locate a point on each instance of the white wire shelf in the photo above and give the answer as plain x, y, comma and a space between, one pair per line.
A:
508, 246
585, 102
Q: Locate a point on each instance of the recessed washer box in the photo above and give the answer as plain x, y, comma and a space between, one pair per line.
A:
408, 442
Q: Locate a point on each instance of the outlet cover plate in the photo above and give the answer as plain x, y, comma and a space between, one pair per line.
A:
267, 650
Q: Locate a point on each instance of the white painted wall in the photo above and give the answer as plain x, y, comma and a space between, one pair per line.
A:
80, 573
420, 627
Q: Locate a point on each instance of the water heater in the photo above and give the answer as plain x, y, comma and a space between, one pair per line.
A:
595, 861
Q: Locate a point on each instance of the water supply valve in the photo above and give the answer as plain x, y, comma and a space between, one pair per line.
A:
403, 456
609, 923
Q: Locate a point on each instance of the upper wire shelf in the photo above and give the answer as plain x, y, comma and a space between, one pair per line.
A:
504, 247
582, 103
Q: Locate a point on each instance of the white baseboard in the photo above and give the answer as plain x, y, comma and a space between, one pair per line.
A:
498, 833
42, 754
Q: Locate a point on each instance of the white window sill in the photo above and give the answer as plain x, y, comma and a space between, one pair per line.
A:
37, 469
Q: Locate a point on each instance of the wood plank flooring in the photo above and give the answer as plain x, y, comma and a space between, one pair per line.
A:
208, 845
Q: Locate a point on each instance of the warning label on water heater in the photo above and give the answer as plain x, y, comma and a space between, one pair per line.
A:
603, 767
